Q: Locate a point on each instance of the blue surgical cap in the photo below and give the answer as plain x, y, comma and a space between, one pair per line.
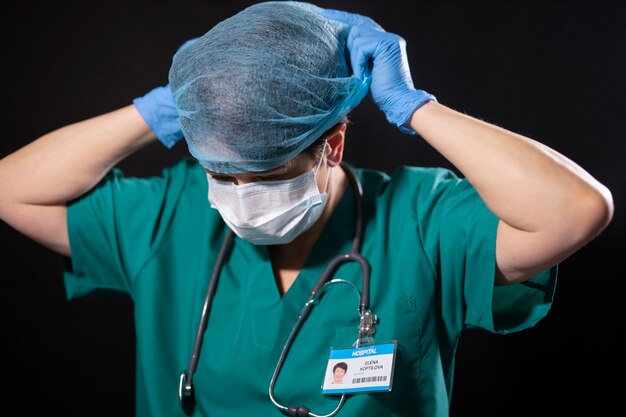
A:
263, 85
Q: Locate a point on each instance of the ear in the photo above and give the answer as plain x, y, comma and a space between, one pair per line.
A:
335, 140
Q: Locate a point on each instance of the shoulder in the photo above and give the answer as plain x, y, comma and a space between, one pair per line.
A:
186, 182
423, 196
419, 182
120, 193
186, 169
174, 180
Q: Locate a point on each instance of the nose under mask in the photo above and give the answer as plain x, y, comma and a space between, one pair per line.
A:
270, 212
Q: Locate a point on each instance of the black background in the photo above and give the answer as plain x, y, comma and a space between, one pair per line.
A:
553, 71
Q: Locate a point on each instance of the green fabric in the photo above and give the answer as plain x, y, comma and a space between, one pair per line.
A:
430, 241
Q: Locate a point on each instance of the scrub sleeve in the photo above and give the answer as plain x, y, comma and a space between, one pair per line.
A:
119, 225
458, 232
434, 251
155, 240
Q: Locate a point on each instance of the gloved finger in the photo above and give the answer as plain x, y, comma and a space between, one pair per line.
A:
362, 44
351, 19
361, 51
377, 46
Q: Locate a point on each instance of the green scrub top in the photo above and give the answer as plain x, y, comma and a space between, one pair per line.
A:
428, 237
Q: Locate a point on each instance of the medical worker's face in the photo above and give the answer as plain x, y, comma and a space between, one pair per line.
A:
267, 214
298, 165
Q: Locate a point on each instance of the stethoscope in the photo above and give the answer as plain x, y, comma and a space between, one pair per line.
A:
367, 320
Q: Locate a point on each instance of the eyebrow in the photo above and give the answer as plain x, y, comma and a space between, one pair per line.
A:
278, 170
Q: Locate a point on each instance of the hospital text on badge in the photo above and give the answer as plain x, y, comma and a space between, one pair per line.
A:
360, 370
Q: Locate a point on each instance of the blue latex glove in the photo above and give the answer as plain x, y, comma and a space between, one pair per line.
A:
158, 109
382, 55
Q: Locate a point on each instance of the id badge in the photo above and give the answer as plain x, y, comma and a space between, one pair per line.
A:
360, 370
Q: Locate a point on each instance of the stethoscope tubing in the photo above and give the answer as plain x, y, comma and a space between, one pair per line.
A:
331, 268
185, 385
329, 271
185, 390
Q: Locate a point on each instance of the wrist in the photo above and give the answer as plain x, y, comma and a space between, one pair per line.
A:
413, 102
421, 116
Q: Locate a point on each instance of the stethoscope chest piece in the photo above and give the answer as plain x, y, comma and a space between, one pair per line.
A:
185, 392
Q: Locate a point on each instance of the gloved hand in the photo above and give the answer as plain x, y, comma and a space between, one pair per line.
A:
158, 109
382, 55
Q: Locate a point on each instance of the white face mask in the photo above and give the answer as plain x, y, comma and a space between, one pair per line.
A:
269, 212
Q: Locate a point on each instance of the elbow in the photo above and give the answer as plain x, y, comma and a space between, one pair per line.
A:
5, 201
604, 209
594, 212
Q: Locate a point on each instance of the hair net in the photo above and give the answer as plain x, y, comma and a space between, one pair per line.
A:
263, 85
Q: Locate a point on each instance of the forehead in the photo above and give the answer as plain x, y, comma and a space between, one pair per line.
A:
295, 164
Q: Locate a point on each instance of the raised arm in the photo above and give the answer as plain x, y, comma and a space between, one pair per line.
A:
548, 206
38, 180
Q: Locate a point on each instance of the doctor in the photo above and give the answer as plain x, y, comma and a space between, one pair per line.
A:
262, 100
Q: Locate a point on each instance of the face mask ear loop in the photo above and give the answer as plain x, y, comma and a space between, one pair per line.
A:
319, 164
